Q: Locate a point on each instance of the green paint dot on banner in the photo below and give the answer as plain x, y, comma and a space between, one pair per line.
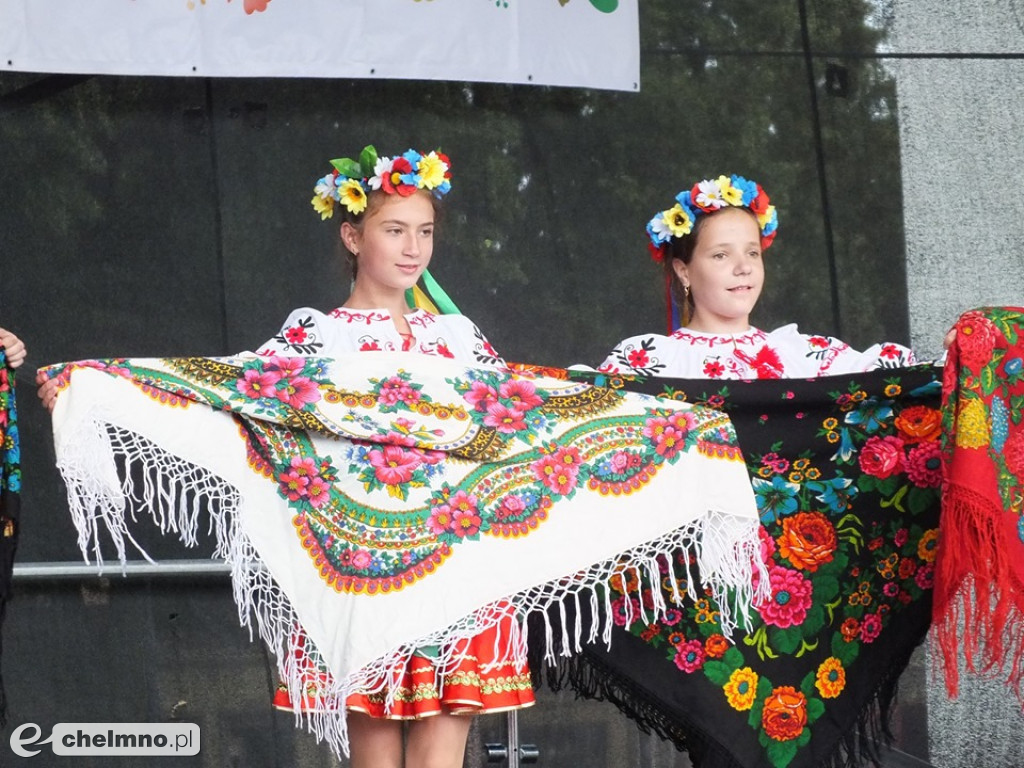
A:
605, 6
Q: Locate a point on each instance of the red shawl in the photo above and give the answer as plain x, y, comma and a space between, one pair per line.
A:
979, 581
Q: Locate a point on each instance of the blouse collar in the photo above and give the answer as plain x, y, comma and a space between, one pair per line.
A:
705, 337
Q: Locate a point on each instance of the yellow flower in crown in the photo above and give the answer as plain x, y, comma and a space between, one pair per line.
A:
352, 195
432, 170
324, 206
678, 221
732, 195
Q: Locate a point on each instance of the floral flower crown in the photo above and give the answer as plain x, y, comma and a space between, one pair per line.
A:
352, 180
706, 197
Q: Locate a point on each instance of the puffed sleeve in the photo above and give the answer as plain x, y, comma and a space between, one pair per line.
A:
615, 362
884, 355
483, 351
646, 355
812, 355
303, 333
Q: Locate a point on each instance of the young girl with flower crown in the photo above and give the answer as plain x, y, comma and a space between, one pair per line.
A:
388, 210
711, 244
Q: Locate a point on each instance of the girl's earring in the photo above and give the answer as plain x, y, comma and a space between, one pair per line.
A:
686, 291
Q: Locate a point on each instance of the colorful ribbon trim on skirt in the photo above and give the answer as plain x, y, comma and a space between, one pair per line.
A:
387, 502
10, 491
846, 471
979, 587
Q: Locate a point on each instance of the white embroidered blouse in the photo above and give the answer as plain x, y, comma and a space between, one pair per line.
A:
755, 354
311, 332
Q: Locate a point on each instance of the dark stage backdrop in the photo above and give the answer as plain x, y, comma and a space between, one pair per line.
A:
167, 216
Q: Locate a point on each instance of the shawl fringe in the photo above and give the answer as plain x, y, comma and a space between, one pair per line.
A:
979, 602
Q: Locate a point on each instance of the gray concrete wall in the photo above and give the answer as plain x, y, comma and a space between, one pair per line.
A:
962, 155
960, 87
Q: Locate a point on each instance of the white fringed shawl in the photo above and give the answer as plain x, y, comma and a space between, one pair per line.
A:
390, 501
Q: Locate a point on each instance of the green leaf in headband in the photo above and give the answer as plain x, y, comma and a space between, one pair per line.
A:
368, 160
347, 167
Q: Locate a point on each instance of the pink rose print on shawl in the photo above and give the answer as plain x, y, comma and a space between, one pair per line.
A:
306, 480
298, 392
481, 396
460, 516
393, 465
397, 389
504, 419
924, 465
559, 471
690, 656
255, 384
521, 394
668, 434
882, 457
790, 599
291, 387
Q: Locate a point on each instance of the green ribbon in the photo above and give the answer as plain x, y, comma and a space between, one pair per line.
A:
437, 294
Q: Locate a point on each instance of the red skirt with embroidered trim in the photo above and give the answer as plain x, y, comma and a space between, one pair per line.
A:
475, 686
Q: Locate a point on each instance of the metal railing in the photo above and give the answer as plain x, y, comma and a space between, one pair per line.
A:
70, 569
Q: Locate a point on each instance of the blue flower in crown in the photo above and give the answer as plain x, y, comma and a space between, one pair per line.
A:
706, 197
413, 157
747, 188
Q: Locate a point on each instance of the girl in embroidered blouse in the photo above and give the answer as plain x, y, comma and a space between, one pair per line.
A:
711, 244
388, 223
388, 209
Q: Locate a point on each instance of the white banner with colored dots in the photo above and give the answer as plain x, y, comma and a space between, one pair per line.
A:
583, 43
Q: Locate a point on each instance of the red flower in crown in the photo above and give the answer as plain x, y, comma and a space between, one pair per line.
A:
444, 159
760, 203
392, 182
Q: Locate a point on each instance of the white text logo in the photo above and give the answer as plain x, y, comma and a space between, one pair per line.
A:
153, 739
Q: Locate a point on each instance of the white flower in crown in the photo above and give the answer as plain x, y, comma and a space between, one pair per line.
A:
380, 169
709, 195
326, 188
659, 228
